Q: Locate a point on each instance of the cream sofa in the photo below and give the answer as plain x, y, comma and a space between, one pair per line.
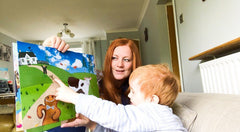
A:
202, 112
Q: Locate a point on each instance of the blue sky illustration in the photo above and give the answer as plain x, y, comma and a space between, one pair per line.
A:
69, 61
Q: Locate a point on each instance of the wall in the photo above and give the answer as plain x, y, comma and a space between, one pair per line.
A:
7, 41
126, 34
156, 49
100, 49
206, 25
131, 34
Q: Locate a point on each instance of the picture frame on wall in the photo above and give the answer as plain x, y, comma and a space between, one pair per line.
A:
5, 52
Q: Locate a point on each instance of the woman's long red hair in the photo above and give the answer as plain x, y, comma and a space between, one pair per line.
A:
109, 90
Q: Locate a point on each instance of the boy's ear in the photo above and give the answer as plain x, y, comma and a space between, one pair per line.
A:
155, 99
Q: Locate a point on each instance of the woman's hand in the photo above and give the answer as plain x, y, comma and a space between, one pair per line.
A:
65, 93
56, 42
80, 120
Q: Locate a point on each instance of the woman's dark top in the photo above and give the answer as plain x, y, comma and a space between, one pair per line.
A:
124, 97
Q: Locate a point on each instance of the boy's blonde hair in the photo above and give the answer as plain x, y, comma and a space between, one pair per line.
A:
157, 80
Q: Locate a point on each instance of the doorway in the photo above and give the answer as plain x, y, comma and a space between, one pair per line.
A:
173, 43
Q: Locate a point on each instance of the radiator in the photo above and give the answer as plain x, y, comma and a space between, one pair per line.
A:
221, 75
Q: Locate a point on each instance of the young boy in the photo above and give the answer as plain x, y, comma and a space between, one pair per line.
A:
153, 88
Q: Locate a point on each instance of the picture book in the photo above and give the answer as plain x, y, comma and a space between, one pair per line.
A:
35, 67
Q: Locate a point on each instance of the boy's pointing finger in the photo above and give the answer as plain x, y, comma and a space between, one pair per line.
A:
59, 82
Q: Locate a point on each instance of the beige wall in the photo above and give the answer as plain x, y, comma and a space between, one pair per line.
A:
206, 25
156, 49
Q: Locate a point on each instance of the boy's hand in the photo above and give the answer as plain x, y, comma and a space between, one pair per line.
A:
64, 93
56, 42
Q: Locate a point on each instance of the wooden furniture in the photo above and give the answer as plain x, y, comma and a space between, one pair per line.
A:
7, 123
219, 51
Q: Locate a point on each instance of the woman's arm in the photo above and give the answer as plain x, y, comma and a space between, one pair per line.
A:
80, 120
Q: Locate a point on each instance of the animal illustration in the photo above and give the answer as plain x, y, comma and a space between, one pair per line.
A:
52, 112
79, 85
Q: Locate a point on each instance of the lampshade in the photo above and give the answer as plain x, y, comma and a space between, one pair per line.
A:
65, 31
59, 34
71, 35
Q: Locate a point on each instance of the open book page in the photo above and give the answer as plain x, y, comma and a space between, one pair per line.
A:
35, 67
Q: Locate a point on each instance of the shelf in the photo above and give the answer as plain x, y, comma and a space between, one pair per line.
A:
219, 51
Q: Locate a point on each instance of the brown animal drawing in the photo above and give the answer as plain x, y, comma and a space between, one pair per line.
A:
79, 85
52, 112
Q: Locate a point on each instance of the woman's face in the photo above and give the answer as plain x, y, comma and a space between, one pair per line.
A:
122, 62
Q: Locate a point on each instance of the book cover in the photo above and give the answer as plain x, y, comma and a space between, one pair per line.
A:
35, 67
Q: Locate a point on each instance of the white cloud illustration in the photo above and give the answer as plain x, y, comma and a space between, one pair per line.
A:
63, 64
41, 47
58, 56
48, 53
77, 64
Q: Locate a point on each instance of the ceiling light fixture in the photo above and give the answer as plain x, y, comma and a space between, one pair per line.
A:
66, 31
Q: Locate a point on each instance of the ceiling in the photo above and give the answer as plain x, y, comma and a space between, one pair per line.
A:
28, 20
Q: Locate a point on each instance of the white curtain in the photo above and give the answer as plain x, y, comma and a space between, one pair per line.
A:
88, 47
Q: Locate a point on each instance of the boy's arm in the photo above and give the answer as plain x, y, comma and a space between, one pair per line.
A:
105, 113
108, 114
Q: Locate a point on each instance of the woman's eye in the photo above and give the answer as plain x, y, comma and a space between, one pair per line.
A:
114, 58
127, 60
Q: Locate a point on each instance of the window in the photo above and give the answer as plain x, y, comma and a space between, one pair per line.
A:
79, 50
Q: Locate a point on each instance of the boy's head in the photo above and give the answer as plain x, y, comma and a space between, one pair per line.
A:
153, 83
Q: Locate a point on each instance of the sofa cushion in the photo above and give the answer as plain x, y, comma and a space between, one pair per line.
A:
215, 112
186, 115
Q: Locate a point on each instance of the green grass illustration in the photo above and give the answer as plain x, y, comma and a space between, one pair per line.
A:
34, 83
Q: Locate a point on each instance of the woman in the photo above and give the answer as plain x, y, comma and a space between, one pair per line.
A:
121, 59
